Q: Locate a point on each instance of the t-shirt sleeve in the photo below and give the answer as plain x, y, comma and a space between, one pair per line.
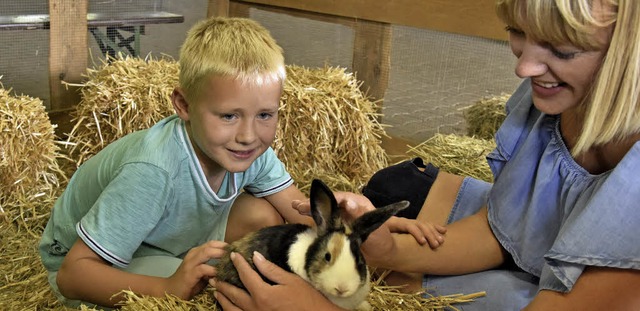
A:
603, 233
126, 212
268, 175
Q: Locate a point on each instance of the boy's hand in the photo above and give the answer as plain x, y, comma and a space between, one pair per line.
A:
354, 205
421, 231
194, 273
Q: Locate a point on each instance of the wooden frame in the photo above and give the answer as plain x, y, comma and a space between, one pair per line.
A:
68, 22
372, 20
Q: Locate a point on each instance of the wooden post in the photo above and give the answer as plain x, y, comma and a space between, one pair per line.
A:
218, 8
372, 57
68, 50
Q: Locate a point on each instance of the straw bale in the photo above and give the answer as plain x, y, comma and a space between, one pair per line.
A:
485, 116
462, 155
328, 129
29, 171
381, 298
120, 97
23, 285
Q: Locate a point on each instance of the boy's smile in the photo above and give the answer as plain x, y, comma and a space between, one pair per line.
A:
232, 123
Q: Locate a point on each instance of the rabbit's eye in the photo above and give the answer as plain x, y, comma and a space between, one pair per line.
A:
327, 256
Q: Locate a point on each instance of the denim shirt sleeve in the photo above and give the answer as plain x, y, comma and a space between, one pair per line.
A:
603, 232
510, 133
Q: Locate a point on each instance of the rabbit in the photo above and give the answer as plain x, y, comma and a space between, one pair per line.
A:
327, 256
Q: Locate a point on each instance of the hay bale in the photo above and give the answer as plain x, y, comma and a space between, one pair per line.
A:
461, 155
328, 129
29, 173
485, 116
381, 298
23, 285
122, 96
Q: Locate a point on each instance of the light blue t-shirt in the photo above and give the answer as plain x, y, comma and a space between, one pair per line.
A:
548, 212
146, 194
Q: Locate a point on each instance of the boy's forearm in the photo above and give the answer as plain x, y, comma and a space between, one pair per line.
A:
469, 246
282, 203
102, 284
87, 277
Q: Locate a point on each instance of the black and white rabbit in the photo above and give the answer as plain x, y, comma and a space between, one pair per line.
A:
327, 256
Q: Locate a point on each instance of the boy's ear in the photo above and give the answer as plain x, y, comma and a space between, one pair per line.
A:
180, 103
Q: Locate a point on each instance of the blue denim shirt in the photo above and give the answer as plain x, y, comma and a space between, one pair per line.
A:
549, 213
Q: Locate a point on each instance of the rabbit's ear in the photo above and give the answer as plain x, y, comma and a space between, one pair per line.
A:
370, 221
324, 207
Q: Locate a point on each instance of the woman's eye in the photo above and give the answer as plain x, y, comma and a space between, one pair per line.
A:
563, 55
514, 31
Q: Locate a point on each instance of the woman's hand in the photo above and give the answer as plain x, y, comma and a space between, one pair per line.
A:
289, 293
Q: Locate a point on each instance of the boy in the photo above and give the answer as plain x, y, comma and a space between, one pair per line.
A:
149, 211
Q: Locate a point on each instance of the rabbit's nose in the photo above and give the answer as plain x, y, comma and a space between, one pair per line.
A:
341, 290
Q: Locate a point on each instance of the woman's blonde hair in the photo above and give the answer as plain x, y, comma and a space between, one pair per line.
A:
611, 110
229, 47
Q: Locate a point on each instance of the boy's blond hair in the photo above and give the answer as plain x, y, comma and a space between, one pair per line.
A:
612, 109
229, 47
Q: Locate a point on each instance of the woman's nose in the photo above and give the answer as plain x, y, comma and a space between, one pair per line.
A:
531, 60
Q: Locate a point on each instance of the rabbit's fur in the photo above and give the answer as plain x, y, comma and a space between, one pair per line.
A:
327, 256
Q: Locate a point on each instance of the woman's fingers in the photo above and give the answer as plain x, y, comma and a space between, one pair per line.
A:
271, 270
221, 294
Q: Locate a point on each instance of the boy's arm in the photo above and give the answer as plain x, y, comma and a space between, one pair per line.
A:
86, 276
282, 203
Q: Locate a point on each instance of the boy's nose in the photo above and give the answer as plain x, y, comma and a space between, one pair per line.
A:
246, 132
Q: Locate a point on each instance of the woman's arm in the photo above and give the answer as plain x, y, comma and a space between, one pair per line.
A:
596, 289
470, 247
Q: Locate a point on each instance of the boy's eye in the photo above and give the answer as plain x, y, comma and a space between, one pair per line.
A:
265, 115
228, 116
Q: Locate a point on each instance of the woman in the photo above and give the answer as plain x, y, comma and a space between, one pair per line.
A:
559, 227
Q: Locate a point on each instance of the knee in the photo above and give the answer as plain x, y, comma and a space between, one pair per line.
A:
249, 214
409, 180
262, 214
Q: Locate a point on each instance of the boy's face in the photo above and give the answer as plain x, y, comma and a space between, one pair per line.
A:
232, 123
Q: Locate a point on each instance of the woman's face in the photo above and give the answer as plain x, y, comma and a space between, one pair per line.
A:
561, 76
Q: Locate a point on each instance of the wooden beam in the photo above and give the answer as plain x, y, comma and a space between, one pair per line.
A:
243, 8
467, 17
218, 8
68, 50
372, 57
237, 9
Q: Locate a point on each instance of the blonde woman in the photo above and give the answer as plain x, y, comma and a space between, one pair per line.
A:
559, 228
